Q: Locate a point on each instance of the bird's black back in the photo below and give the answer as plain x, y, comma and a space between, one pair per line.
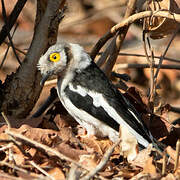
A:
93, 79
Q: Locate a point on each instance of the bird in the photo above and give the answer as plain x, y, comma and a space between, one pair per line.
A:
90, 97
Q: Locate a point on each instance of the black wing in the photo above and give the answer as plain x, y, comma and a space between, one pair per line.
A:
93, 79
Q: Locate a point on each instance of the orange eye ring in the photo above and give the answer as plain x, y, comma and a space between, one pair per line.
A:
55, 57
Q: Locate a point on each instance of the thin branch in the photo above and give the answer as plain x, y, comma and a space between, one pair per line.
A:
100, 44
17, 49
151, 64
18, 146
43, 148
8, 34
177, 154
27, 77
111, 52
6, 119
102, 163
9, 45
142, 55
142, 66
13, 166
6, 147
5, 55
145, 14
164, 54
129, 21
41, 170
11, 19
164, 163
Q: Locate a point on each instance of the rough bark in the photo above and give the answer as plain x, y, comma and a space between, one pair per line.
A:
21, 89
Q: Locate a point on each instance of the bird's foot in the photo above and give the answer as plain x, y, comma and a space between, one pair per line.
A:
83, 133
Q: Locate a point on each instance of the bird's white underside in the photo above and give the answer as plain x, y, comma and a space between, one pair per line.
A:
90, 123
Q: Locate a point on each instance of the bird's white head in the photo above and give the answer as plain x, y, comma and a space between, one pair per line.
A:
60, 57
52, 62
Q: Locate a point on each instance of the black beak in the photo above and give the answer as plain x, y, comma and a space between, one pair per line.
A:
44, 78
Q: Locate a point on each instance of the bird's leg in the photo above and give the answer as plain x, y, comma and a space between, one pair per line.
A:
86, 132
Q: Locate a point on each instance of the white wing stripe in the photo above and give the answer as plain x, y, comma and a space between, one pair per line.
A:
98, 100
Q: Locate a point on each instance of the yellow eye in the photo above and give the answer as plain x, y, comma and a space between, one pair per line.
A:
54, 57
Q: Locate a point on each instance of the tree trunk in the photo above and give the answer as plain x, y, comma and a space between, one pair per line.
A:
21, 90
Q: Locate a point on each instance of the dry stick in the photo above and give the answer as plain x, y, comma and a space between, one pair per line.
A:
114, 47
43, 148
152, 83
102, 163
9, 127
6, 147
162, 57
11, 139
6, 119
18, 146
5, 55
100, 44
164, 66
177, 154
164, 162
129, 21
145, 14
151, 65
14, 167
113, 51
9, 45
41, 170
8, 34
17, 49
142, 55
27, 77
11, 19
19, 169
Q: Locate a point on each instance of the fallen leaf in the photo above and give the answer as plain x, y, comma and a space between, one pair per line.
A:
150, 168
56, 173
142, 157
67, 150
90, 161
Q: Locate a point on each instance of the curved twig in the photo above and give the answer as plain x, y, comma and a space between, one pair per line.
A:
127, 22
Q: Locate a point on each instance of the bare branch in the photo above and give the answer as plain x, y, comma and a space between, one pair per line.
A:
9, 44
9, 36
177, 154
26, 80
11, 20
111, 53
41, 147
102, 163
127, 22
142, 66
164, 54
142, 55
41, 170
